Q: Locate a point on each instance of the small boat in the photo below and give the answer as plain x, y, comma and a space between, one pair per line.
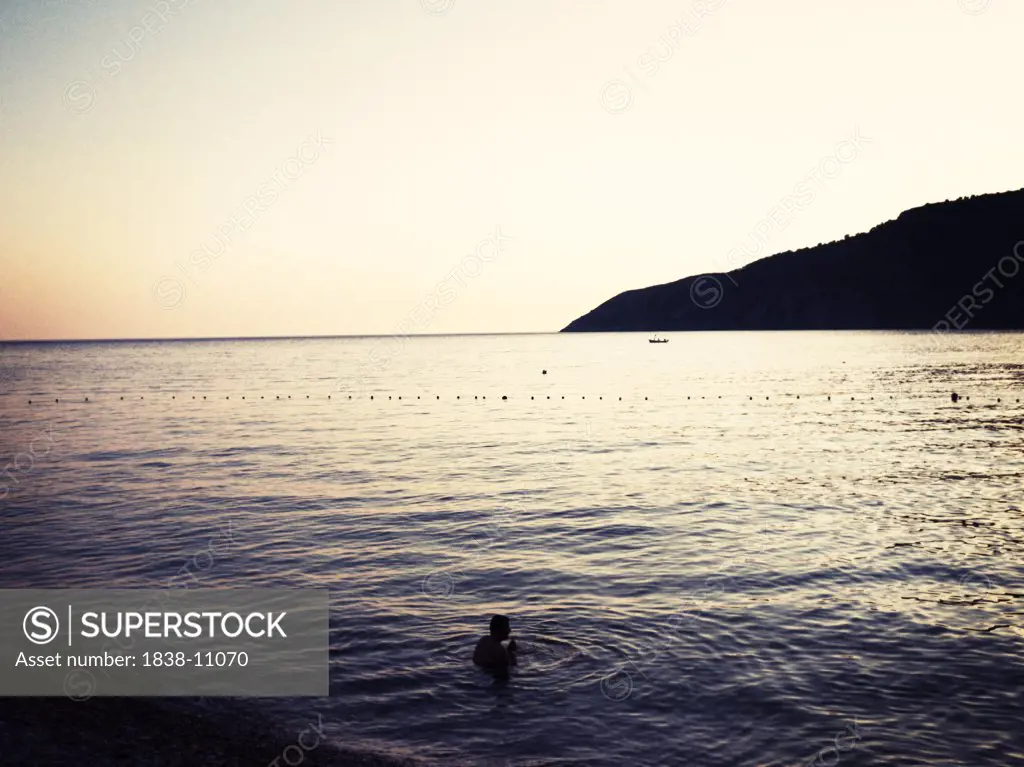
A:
655, 340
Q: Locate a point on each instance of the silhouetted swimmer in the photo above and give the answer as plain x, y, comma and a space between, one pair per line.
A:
490, 653
955, 397
544, 372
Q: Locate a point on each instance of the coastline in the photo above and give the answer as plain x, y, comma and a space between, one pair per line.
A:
118, 732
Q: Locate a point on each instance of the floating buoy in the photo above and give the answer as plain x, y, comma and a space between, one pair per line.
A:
829, 397
504, 397
30, 402
544, 372
86, 399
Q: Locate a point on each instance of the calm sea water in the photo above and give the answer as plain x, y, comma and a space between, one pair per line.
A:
774, 549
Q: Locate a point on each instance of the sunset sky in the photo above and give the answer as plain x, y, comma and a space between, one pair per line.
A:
546, 137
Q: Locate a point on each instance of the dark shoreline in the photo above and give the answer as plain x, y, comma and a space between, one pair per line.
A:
141, 731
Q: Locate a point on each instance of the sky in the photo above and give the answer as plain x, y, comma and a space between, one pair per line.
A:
189, 168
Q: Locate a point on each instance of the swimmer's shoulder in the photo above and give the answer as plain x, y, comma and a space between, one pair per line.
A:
489, 652
483, 651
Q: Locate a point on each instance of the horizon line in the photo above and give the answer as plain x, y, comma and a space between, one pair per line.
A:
268, 338
328, 337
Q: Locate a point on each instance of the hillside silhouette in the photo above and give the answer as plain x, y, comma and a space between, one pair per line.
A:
949, 265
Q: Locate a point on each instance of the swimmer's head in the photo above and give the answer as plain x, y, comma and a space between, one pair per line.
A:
500, 627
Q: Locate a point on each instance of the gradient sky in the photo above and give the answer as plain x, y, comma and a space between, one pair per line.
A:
442, 122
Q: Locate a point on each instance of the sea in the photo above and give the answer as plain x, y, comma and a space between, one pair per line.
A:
766, 549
